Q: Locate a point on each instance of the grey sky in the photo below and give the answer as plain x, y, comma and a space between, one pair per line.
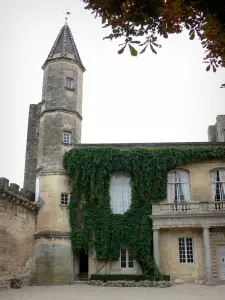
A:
167, 97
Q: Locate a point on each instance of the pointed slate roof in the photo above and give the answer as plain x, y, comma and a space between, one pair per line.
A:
65, 47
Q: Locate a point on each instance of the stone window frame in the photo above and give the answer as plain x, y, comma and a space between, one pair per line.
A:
64, 199
185, 251
129, 263
67, 137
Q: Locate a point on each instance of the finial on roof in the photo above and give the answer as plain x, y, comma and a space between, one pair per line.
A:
67, 13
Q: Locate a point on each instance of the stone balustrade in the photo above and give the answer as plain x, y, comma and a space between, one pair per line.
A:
188, 208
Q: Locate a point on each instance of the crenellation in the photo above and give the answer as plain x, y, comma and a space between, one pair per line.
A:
13, 190
14, 187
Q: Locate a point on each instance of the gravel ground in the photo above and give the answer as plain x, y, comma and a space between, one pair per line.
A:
85, 292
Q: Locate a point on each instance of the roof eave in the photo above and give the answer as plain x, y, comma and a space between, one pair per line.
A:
48, 60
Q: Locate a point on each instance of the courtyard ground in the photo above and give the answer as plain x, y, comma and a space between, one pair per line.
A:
86, 292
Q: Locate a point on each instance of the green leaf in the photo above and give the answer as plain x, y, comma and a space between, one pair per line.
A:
153, 50
143, 50
192, 34
122, 49
133, 51
157, 45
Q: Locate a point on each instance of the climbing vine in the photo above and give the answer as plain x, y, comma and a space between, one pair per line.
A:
93, 226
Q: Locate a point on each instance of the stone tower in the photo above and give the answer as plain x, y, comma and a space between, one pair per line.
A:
216, 133
54, 125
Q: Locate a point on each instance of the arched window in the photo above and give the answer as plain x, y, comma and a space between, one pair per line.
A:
218, 184
120, 192
178, 187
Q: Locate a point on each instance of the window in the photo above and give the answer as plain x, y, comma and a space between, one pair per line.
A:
37, 189
218, 184
126, 259
120, 192
178, 188
69, 83
186, 250
64, 199
67, 137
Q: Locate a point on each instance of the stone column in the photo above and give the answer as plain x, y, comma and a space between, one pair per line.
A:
156, 246
207, 253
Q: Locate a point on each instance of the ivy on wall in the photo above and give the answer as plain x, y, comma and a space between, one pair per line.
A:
93, 226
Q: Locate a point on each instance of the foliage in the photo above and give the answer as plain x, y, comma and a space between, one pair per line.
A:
93, 226
109, 277
141, 21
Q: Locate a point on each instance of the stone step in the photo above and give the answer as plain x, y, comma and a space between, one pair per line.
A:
80, 282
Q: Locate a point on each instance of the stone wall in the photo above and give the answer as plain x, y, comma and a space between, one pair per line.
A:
32, 148
17, 227
169, 254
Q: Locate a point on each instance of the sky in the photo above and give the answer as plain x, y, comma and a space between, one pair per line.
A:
168, 97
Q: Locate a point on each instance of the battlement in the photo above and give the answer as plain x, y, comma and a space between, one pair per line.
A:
13, 192
216, 133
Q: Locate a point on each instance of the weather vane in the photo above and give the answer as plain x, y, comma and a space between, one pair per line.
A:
67, 13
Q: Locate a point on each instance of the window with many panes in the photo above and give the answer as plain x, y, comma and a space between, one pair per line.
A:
120, 192
186, 251
64, 199
69, 83
218, 184
178, 188
126, 259
67, 137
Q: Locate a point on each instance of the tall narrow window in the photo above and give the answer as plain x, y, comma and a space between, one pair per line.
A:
37, 189
67, 137
69, 83
120, 192
126, 259
218, 184
178, 187
186, 252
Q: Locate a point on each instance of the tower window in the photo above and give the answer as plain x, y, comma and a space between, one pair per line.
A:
69, 83
64, 199
67, 137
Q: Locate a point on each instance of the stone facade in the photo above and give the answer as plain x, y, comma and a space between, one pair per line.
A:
36, 236
17, 227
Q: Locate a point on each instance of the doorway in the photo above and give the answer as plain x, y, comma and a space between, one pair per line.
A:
83, 265
221, 261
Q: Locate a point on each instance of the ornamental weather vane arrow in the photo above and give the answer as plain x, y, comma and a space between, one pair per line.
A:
67, 13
